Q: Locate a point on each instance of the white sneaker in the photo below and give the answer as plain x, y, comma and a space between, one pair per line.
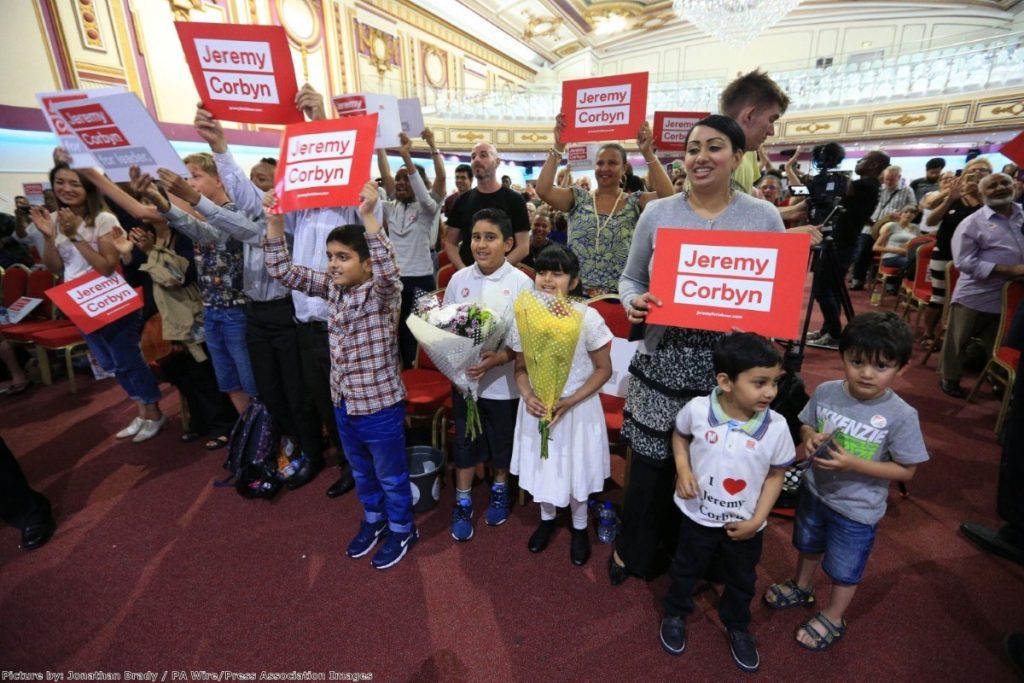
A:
811, 336
132, 429
825, 341
149, 429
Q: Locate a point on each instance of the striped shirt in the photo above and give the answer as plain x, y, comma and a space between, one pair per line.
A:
361, 325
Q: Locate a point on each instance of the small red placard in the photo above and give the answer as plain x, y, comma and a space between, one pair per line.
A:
720, 280
92, 301
672, 127
242, 73
324, 163
1014, 150
606, 108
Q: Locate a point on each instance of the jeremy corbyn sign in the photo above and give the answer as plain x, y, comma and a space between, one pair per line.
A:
242, 73
607, 108
93, 301
324, 163
720, 280
672, 127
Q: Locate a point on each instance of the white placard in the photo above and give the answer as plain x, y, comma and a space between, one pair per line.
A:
389, 122
118, 131
66, 138
622, 355
411, 114
21, 307
581, 157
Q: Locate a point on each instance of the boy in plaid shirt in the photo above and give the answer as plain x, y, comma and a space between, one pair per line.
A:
364, 292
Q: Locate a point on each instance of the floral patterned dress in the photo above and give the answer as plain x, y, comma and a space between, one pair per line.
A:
602, 253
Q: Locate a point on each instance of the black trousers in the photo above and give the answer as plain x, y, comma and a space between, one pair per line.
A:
20, 506
315, 358
647, 538
698, 545
210, 410
1010, 498
271, 336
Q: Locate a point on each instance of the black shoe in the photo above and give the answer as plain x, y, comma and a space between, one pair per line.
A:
673, 635
744, 651
36, 535
539, 539
339, 488
579, 547
306, 474
617, 573
1003, 542
952, 388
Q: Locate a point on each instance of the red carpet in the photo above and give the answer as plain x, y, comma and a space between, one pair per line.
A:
152, 569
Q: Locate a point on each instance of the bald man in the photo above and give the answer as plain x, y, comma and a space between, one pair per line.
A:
488, 194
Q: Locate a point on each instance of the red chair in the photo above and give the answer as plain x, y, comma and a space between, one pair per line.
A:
444, 275
952, 276
67, 340
1002, 366
528, 271
43, 317
442, 259
610, 308
426, 388
919, 292
914, 246
15, 283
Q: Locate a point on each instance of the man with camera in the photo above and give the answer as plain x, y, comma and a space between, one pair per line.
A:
855, 206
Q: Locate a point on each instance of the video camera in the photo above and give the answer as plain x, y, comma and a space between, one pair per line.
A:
827, 189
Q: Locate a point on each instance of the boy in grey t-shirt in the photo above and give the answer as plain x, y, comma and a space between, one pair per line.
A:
875, 439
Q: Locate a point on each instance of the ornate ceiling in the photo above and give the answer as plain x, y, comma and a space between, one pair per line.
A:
555, 29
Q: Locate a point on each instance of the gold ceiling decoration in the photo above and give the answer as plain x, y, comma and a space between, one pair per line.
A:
182, 9
904, 120
540, 27
1015, 109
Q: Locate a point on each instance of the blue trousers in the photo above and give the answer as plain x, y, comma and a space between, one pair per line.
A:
117, 348
375, 448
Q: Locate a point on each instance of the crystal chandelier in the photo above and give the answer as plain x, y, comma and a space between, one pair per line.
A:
734, 22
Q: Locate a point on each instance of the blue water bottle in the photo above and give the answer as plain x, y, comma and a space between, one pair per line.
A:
608, 523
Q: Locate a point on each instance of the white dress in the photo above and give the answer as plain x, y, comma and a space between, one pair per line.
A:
578, 460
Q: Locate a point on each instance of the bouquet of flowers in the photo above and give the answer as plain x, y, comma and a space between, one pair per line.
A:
549, 328
454, 336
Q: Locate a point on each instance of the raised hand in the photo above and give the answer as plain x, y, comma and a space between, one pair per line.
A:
43, 222
369, 197
310, 103
559, 127
143, 239
210, 129
178, 186
67, 221
645, 139
119, 238
428, 137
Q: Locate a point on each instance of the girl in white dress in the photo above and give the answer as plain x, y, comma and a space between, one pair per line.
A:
578, 457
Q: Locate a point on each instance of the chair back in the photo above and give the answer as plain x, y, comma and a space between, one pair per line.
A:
40, 280
442, 259
530, 272
952, 276
913, 245
610, 308
1013, 295
922, 286
444, 275
15, 283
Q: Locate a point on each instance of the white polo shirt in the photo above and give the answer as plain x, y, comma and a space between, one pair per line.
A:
497, 291
730, 460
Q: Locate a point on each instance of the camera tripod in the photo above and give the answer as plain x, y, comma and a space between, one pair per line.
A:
825, 271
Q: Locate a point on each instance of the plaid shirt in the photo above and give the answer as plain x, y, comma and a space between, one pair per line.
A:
364, 342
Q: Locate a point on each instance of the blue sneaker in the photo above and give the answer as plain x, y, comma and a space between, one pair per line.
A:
497, 510
367, 537
462, 526
394, 548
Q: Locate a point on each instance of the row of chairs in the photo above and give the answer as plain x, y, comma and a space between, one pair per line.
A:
43, 329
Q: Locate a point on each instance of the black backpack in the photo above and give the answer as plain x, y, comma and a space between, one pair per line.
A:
252, 454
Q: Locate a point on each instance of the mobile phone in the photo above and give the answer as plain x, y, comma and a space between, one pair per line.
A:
822, 450
959, 172
799, 191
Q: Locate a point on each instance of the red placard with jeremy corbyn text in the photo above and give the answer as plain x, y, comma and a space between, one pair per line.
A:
720, 280
243, 73
93, 301
1014, 150
672, 127
324, 163
606, 108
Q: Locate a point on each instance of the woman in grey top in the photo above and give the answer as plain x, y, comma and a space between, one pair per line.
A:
673, 364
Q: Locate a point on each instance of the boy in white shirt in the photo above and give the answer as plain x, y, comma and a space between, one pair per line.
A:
493, 283
731, 452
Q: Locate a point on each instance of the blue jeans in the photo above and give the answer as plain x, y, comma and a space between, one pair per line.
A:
225, 339
375, 448
847, 544
117, 349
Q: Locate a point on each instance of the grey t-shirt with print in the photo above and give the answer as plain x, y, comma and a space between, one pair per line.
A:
884, 429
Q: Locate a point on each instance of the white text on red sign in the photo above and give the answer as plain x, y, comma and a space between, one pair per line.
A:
726, 277
238, 70
603, 106
319, 159
101, 295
